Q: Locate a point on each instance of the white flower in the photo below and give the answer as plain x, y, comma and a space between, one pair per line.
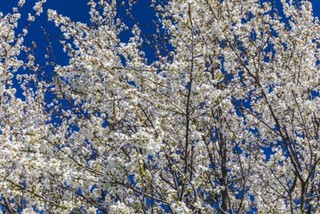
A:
120, 208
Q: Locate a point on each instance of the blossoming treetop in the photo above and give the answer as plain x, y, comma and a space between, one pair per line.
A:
226, 122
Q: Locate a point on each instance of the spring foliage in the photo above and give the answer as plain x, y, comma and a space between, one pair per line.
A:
225, 122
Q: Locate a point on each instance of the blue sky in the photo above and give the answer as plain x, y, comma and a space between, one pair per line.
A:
78, 10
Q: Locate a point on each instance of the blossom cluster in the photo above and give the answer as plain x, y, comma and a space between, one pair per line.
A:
226, 122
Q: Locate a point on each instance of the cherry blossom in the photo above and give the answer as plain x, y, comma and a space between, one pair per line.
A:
225, 121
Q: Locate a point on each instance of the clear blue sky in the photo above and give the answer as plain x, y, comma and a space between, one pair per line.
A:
77, 10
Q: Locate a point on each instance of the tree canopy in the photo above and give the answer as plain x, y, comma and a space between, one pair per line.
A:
225, 118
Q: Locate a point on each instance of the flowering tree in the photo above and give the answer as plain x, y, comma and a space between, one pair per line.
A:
227, 122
